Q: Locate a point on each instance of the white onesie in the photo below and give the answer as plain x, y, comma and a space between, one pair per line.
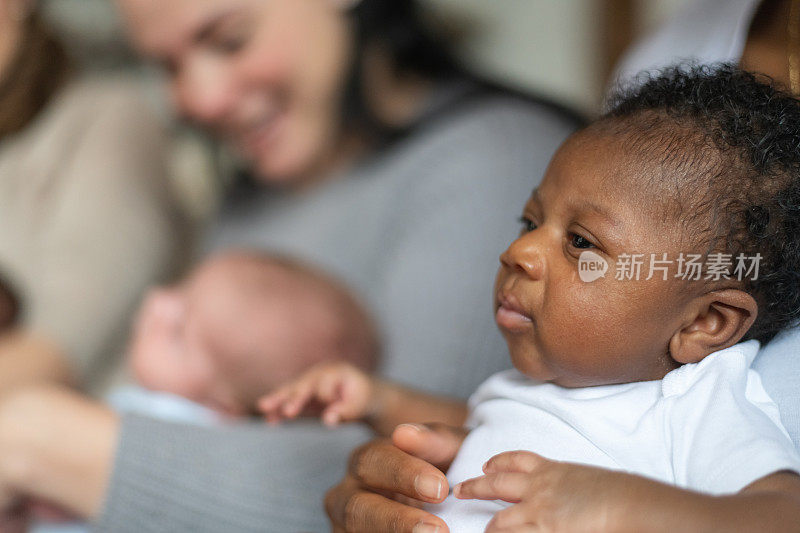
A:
708, 426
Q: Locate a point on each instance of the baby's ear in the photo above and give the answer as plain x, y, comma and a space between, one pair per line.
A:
715, 321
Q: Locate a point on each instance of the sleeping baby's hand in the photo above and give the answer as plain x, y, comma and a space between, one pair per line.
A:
548, 495
340, 390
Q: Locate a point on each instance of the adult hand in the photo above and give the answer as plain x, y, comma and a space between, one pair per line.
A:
55, 446
388, 479
27, 358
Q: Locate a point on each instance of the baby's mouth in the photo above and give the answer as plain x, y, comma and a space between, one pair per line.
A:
510, 314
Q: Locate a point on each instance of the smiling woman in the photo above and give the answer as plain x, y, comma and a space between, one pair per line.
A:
267, 76
273, 78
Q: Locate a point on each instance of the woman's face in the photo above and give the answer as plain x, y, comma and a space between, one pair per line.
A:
266, 75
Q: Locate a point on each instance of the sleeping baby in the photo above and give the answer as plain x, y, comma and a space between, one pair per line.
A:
237, 327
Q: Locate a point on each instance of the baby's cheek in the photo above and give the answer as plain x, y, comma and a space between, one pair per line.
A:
590, 327
147, 371
166, 372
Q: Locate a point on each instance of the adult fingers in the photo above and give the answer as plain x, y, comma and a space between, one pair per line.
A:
436, 444
515, 461
353, 509
379, 465
506, 486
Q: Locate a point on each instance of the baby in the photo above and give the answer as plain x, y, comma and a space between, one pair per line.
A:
661, 247
237, 327
240, 325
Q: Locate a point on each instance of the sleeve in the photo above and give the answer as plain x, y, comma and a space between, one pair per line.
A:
726, 432
457, 217
111, 232
172, 477
778, 364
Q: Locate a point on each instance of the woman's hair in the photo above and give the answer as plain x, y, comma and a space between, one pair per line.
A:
729, 141
10, 305
415, 47
398, 28
39, 68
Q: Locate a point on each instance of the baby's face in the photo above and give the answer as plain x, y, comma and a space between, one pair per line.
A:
576, 333
236, 328
172, 351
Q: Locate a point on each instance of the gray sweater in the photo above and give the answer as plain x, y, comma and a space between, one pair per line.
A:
416, 231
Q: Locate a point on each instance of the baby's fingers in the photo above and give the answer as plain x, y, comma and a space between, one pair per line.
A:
286, 402
343, 409
329, 388
516, 461
525, 528
331, 417
271, 402
270, 406
519, 517
506, 486
329, 393
346, 405
298, 398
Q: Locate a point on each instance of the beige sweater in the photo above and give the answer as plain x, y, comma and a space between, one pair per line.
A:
86, 221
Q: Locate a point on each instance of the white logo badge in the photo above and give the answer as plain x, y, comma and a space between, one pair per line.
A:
591, 266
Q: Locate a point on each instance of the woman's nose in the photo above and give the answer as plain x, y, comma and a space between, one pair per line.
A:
205, 93
525, 256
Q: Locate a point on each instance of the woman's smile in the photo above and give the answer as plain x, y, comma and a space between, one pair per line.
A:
261, 135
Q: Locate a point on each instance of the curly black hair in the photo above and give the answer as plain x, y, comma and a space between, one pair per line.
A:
731, 140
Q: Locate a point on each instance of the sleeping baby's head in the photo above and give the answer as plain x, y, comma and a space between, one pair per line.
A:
665, 231
241, 324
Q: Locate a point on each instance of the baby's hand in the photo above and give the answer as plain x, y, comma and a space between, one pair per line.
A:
548, 495
345, 392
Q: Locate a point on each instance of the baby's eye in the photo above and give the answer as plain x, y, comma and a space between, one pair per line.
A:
527, 224
580, 242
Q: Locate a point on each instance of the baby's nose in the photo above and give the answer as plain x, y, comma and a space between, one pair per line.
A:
525, 256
